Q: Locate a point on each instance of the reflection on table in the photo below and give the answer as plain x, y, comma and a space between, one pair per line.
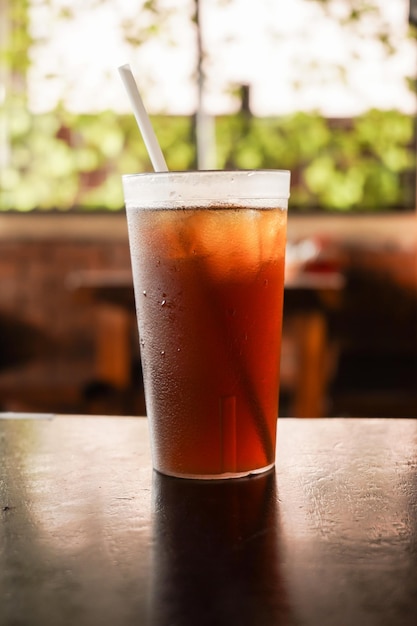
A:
235, 521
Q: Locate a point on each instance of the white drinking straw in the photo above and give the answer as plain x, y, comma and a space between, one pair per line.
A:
142, 119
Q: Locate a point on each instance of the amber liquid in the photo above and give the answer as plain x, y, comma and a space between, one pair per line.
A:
209, 289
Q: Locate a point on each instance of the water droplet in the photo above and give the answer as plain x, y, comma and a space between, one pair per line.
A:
144, 293
266, 282
178, 349
162, 352
163, 303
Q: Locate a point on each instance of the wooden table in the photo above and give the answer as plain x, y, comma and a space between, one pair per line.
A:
89, 535
111, 292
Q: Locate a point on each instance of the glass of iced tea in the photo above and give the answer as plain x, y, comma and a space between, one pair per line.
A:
207, 251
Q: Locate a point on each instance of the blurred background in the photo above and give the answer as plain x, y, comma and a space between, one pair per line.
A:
325, 88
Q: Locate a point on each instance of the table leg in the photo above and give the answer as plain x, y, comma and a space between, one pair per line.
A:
114, 350
311, 378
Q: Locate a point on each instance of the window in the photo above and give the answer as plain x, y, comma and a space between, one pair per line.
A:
332, 103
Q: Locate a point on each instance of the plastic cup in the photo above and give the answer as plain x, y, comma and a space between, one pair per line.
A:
207, 251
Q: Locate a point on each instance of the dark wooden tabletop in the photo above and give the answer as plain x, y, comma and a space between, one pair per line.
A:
89, 535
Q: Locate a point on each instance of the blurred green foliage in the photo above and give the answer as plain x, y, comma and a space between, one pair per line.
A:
362, 164
64, 161
60, 160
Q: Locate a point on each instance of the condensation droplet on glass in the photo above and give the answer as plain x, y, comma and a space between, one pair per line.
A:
163, 303
144, 292
162, 352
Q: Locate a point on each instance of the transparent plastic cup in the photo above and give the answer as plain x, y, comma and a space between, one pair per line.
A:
207, 251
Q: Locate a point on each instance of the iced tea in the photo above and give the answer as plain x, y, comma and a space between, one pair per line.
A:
209, 288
